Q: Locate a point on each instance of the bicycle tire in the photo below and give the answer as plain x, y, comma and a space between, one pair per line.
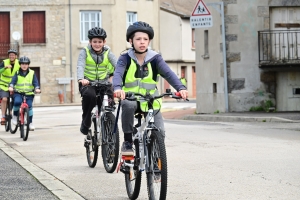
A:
13, 128
111, 142
21, 127
26, 124
7, 116
157, 176
92, 147
133, 176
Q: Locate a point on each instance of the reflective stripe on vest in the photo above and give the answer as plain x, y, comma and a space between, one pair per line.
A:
24, 84
7, 74
142, 85
92, 71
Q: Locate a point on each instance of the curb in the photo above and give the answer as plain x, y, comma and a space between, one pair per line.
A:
53, 184
237, 119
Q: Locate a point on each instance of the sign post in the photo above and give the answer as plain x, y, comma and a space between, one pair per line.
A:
201, 16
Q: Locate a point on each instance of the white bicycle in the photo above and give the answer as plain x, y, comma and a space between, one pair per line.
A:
149, 153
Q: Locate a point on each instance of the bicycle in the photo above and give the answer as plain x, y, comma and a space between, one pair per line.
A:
105, 132
149, 153
22, 119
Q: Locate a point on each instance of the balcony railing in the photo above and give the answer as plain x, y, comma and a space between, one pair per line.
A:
279, 47
4, 47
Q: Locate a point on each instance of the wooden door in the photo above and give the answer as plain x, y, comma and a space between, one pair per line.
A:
285, 21
4, 34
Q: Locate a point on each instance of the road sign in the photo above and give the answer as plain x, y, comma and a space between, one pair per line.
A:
201, 16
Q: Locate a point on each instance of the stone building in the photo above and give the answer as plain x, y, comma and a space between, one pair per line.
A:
52, 33
262, 57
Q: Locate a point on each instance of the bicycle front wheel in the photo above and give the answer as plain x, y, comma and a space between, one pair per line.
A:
26, 124
133, 175
92, 146
157, 176
110, 144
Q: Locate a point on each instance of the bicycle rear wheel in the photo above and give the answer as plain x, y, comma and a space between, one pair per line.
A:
7, 115
157, 176
133, 175
26, 124
110, 144
92, 146
13, 128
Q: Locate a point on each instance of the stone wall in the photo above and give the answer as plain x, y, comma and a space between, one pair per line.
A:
45, 56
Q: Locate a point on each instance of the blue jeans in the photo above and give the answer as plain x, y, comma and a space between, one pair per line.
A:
18, 101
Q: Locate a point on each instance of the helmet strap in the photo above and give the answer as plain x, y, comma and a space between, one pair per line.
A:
135, 51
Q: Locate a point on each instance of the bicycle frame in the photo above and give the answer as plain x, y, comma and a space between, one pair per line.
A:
23, 106
97, 115
142, 128
141, 136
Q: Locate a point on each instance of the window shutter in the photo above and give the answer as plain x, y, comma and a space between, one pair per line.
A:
34, 27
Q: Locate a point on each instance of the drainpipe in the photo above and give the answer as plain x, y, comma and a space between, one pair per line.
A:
70, 32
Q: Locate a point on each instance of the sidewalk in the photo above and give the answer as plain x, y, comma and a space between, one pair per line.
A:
190, 114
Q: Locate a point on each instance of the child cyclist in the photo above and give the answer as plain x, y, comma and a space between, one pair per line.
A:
25, 81
137, 71
95, 63
8, 69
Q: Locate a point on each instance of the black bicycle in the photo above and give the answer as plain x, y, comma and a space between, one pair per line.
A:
103, 133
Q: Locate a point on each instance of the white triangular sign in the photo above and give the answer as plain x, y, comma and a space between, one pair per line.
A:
200, 9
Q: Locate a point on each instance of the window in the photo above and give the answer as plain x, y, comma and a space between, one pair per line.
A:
206, 42
131, 18
34, 27
193, 39
88, 20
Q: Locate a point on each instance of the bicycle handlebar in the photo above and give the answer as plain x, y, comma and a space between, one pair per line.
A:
98, 83
131, 96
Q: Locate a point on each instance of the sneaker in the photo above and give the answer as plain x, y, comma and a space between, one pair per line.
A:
83, 129
31, 127
126, 149
3, 120
14, 120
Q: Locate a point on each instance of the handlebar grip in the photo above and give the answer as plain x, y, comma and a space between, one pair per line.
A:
177, 94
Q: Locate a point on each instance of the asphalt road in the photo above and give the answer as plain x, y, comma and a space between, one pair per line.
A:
206, 160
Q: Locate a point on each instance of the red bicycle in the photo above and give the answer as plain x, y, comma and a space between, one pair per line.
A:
23, 119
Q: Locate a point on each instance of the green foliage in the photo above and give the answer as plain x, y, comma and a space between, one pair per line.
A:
256, 108
265, 107
216, 112
264, 120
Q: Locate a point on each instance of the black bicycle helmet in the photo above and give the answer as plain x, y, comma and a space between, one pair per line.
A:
97, 32
139, 27
12, 51
24, 60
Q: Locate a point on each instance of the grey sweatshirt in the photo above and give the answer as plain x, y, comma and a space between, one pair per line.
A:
98, 58
163, 69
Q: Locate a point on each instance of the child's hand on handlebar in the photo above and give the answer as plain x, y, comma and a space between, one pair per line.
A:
84, 82
37, 91
119, 94
183, 94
